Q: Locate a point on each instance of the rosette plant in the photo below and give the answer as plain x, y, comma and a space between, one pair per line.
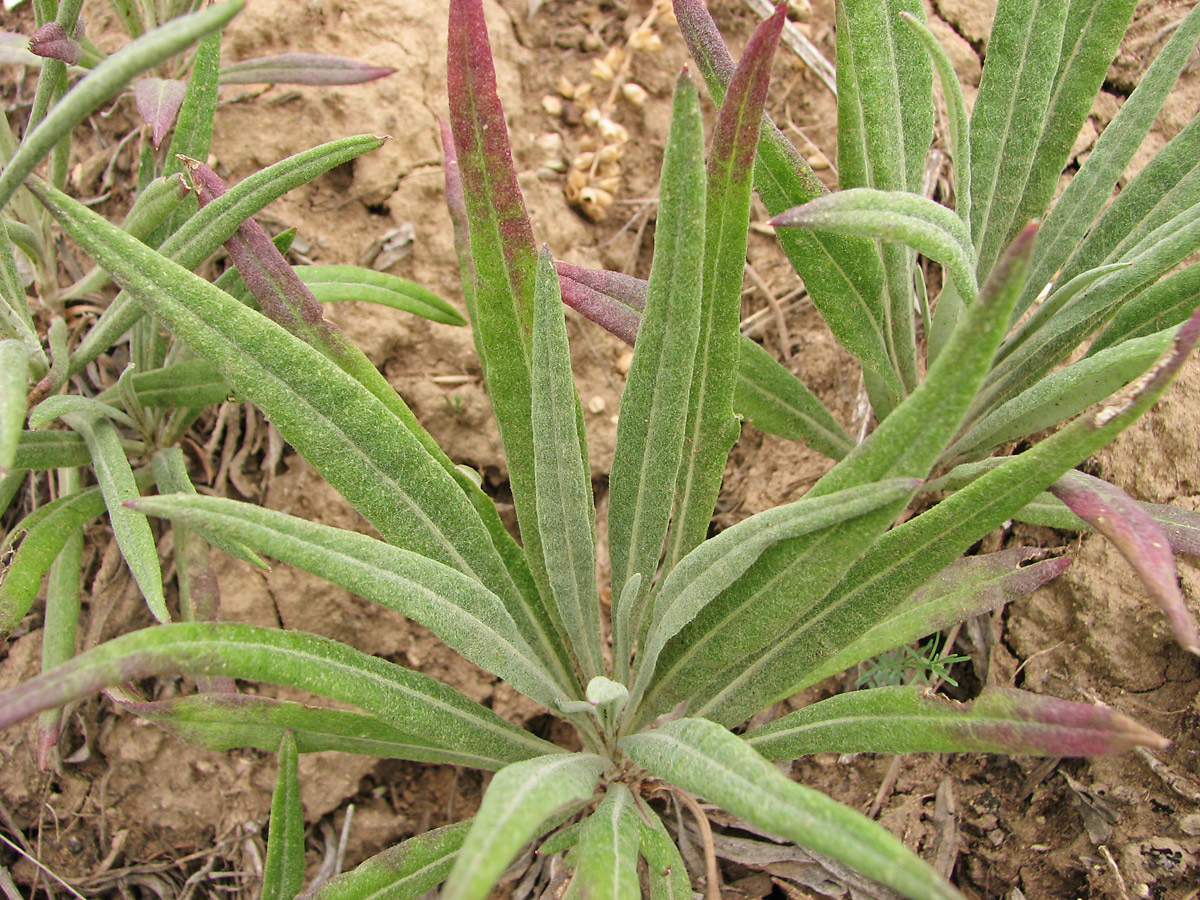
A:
702, 633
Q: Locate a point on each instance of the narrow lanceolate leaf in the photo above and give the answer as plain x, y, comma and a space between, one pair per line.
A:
502, 251
1168, 184
1064, 393
717, 563
65, 404
104, 82
193, 128
916, 720
220, 721
885, 126
14, 384
1006, 123
967, 587
665, 868
704, 758
766, 394
283, 868
1091, 188
957, 117
342, 428
787, 585
1161, 305
158, 100
521, 800
357, 283
711, 427
460, 610
406, 871
1092, 33
928, 227
406, 700
39, 537
196, 382
909, 555
843, 275
302, 68
1141, 541
606, 854
202, 234
564, 490
654, 405
118, 484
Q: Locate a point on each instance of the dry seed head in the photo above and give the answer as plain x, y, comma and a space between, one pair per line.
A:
591, 116
594, 202
553, 105
611, 184
614, 58
583, 162
584, 90
566, 88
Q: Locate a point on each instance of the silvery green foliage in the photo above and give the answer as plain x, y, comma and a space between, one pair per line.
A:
703, 632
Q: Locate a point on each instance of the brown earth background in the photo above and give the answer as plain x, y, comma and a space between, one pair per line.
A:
131, 812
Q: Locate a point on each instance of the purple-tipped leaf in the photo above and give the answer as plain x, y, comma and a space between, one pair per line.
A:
915, 720
1182, 526
51, 41
1141, 540
158, 100
280, 293
302, 68
611, 300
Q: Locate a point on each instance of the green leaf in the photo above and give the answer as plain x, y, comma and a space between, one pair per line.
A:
522, 799
104, 82
220, 721
719, 562
717, 650
1014, 99
406, 871
928, 227
460, 610
330, 418
344, 283
1161, 305
1168, 184
774, 400
407, 700
118, 484
195, 382
1092, 34
14, 384
843, 275
62, 405
665, 868
1062, 394
766, 394
283, 868
916, 720
202, 234
885, 126
957, 117
564, 490
654, 405
711, 428
607, 851
968, 587
704, 758
909, 555
193, 128
503, 256
1091, 188
51, 450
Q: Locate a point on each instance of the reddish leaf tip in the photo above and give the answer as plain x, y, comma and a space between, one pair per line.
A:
51, 41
